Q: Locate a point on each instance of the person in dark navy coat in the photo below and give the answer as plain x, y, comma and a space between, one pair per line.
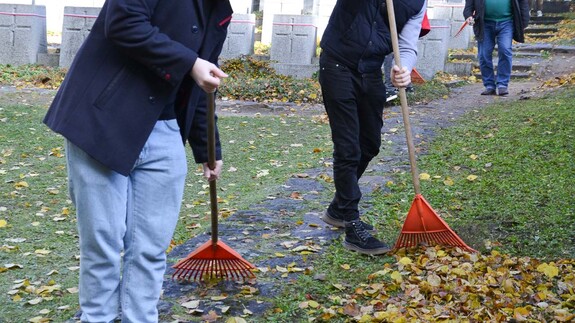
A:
134, 95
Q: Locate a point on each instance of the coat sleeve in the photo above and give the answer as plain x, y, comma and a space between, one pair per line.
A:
408, 37
524, 8
468, 9
128, 24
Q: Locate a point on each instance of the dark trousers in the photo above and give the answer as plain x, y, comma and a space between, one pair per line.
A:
354, 104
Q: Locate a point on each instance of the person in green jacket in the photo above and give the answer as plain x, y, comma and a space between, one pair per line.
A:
496, 22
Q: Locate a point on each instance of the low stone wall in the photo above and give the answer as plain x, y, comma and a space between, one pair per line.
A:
294, 37
433, 49
78, 22
22, 33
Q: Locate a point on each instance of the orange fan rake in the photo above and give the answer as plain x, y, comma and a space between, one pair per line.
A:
460, 29
422, 224
214, 259
416, 78
211, 261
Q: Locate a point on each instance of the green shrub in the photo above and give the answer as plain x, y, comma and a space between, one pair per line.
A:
32, 75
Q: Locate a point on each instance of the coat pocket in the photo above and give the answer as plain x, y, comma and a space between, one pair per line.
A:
111, 88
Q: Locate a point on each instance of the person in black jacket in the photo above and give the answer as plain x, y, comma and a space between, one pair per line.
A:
135, 93
354, 44
496, 22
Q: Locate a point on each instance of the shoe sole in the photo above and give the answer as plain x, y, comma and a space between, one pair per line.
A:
371, 252
391, 97
325, 217
331, 221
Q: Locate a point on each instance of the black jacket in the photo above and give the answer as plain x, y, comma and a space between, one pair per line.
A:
135, 61
358, 31
476, 9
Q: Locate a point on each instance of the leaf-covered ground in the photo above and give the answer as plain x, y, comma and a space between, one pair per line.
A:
442, 284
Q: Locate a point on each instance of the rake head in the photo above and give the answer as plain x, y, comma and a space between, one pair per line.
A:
424, 226
213, 261
416, 78
460, 29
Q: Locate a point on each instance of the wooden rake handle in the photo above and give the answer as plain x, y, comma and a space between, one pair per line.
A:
211, 115
403, 99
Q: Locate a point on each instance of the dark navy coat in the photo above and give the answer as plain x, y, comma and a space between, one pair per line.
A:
135, 61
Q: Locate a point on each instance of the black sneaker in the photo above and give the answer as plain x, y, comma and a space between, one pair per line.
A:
358, 239
340, 223
410, 89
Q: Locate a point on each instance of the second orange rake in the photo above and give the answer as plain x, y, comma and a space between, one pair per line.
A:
423, 224
214, 259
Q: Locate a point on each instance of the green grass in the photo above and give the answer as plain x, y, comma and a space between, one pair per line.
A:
34, 202
260, 154
522, 199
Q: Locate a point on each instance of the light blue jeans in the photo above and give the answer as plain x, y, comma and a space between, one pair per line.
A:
501, 33
125, 226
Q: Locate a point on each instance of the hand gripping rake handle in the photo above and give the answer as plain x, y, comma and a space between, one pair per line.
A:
403, 99
212, 163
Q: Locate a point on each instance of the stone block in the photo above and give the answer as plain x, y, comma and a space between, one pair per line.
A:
48, 59
276, 7
460, 69
557, 6
298, 71
22, 33
432, 50
240, 39
77, 24
294, 39
453, 12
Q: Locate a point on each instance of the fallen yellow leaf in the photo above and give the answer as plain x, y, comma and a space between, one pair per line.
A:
471, 178
405, 261
396, 275
549, 270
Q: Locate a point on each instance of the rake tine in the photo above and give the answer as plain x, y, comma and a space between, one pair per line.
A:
230, 270
235, 268
240, 270
219, 270
198, 272
211, 269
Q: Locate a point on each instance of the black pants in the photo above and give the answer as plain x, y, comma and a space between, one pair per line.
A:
354, 104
